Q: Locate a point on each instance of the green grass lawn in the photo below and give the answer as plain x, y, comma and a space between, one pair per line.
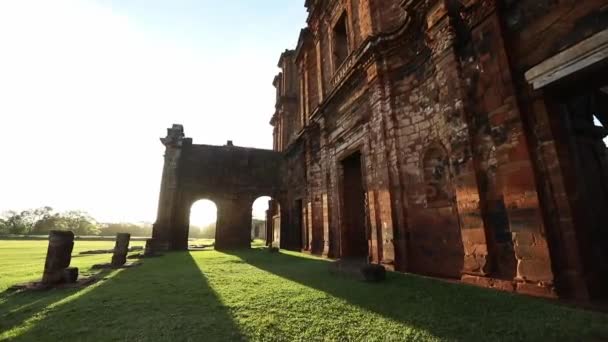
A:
256, 295
23, 260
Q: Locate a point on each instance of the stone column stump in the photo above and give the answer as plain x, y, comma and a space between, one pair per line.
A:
58, 258
153, 247
121, 249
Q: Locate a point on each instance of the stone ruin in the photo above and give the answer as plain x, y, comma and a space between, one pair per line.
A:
152, 248
57, 271
120, 253
58, 258
121, 249
455, 139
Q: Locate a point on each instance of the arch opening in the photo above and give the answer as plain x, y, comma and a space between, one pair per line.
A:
202, 223
265, 222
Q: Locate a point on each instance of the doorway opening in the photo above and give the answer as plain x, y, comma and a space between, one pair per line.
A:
354, 239
203, 221
582, 108
261, 218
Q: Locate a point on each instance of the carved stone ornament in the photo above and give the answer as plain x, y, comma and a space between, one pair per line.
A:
175, 136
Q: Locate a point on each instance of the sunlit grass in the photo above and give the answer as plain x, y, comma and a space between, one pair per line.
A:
23, 260
260, 296
206, 242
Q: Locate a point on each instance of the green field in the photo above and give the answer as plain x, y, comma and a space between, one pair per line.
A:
23, 260
256, 295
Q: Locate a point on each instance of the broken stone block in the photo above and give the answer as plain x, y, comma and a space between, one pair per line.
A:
149, 250
58, 257
70, 275
153, 248
121, 249
359, 269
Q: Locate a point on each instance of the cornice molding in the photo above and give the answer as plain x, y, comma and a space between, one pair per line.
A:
578, 57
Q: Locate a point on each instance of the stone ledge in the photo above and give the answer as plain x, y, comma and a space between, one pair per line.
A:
584, 54
537, 290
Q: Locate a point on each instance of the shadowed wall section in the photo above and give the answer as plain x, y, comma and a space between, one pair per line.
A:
232, 177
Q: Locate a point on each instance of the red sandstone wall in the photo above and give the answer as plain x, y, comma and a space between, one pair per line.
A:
535, 31
450, 82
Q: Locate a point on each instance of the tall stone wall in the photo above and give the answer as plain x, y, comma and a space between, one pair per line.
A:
465, 170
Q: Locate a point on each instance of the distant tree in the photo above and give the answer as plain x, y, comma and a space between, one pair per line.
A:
15, 223
3, 228
204, 232
79, 222
44, 220
48, 223
111, 229
29, 221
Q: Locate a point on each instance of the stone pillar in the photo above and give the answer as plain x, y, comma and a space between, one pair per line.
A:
169, 192
382, 174
151, 248
121, 249
327, 188
289, 238
233, 228
268, 226
58, 256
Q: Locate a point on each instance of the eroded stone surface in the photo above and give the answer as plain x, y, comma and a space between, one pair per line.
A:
58, 257
467, 171
121, 249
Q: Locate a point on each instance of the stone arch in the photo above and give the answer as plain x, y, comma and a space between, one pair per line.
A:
230, 176
272, 218
191, 214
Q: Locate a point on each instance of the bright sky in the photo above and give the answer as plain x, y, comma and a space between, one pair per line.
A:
88, 87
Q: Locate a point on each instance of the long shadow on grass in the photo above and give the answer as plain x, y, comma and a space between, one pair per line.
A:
167, 299
450, 311
18, 307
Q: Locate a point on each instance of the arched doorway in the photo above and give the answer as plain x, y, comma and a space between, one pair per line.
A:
260, 219
203, 221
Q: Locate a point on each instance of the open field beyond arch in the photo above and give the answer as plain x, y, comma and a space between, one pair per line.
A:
256, 295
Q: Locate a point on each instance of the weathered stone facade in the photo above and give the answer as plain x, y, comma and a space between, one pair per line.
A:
450, 138
230, 176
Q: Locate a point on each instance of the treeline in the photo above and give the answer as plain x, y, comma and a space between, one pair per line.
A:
204, 232
42, 220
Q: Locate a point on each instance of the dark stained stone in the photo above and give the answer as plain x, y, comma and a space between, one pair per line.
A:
58, 256
121, 249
